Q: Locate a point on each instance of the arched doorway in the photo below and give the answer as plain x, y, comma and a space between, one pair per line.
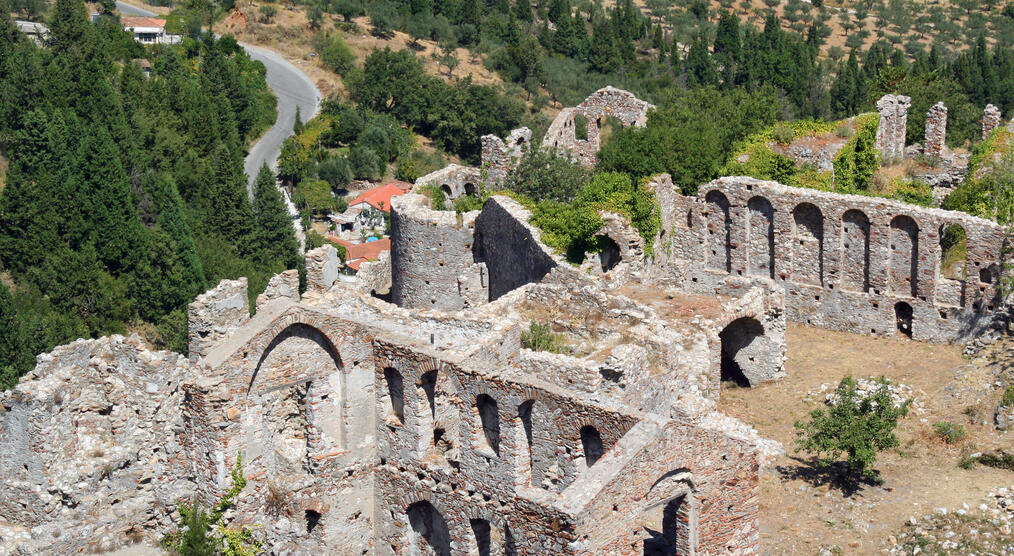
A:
740, 350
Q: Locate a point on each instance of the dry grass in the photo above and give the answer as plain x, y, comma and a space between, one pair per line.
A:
800, 512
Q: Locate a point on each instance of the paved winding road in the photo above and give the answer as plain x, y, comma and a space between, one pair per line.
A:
292, 88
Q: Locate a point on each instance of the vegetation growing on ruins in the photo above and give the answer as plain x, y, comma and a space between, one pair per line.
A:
203, 533
540, 337
855, 425
125, 196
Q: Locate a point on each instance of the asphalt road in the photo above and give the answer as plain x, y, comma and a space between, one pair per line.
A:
292, 88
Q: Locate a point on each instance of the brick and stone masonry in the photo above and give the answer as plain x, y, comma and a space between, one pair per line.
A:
936, 130
991, 119
604, 103
890, 141
846, 262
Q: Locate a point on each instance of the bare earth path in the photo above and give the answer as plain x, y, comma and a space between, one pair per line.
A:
799, 512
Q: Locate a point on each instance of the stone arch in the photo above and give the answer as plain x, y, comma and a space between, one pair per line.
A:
394, 396
471, 189
296, 402
761, 237
748, 355
591, 442
428, 531
482, 537
719, 231
953, 252
610, 255
807, 245
448, 192
855, 251
903, 257
670, 518
297, 336
489, 416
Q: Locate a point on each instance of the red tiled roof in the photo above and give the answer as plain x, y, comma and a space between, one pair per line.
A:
142, 22
380, 197
367, 251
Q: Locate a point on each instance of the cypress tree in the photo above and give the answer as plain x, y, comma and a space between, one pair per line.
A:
275, 237
15, 358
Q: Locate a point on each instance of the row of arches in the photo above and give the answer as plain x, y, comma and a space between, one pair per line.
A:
536, 436
429, 533
806, 257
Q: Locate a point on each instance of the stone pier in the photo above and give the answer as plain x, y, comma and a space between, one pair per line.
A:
890, 142
991, 119
936, 130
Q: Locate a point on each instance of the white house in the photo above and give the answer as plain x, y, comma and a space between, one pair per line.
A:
148, 30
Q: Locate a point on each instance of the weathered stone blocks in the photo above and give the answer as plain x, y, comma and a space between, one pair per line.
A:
890, 140
936, 130
215, 314
991, 119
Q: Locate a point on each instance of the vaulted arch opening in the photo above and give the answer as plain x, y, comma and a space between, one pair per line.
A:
591, 442
429, 532
489, 416
855, 248
741, 341
807, 245
761, 237
719, 231
903, 257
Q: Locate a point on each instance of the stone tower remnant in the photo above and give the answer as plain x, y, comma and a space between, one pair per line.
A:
893, 111
936, 130
990, 120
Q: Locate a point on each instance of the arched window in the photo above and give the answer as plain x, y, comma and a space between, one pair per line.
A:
490, 418
396, 393
428, 529
481, 532
591, 441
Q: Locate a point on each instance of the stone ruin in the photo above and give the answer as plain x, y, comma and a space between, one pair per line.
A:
454, 180
991, 119
890, 141
603, 103
846, 262
421, 426
402, 414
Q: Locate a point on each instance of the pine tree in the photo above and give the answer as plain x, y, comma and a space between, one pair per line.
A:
297, 126
15, 358
109, 218
227, 207
275, 237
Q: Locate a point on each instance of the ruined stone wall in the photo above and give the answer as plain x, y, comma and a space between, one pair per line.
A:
511, 248
499, 156
454, 180
93, 448
606, 102
443, 451
431, 256
215, 314
936, 130
846, 262
893, 124
991, 119
711, 477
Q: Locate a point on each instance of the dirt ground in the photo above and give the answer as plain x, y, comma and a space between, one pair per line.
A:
800, 513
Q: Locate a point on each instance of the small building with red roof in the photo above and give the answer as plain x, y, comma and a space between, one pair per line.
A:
380, 197
358, 253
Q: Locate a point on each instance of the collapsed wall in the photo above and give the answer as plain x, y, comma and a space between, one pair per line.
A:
607, 102
859, 264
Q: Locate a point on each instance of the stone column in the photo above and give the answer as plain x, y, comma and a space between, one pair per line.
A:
936, 130
990, 120
891, 131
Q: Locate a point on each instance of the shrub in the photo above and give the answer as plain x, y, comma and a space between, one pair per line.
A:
782, 133
1007, 399
540, 337
858, 160
844, 131
998, 460
268, 12
854, 425
949, 432
202, 532
336, 171
436, 196
334, 53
